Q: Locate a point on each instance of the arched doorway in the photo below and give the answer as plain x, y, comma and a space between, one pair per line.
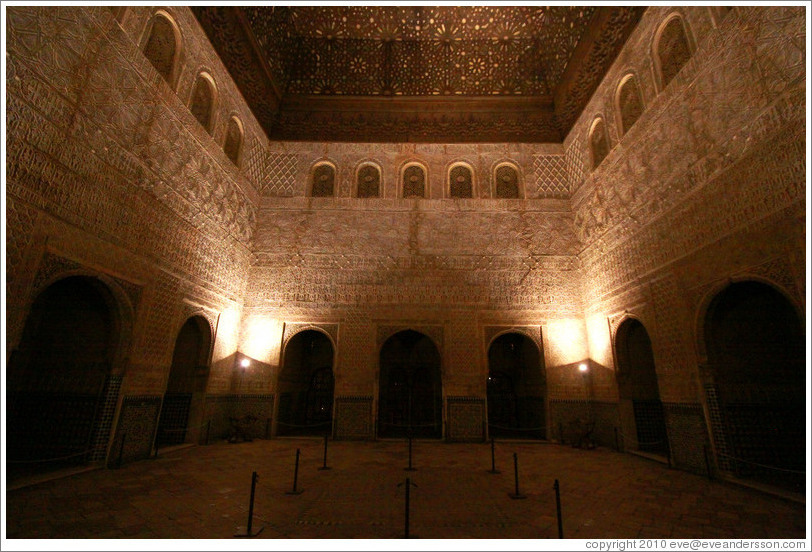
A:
185, 390
516, 388
410, 388
58, 379
306, 385
641, 411
755, 344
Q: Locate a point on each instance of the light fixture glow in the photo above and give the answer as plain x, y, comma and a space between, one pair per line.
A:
583, 367
245, 363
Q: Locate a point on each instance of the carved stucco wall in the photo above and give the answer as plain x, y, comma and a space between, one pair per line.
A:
542, 167
707, 186
108, 171
449, 262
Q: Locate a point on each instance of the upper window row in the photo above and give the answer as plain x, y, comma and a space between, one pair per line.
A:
671, 51
162, 46
412, 181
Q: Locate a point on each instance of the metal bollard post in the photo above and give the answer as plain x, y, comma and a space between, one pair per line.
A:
247, 532
406, 526
410, 468
493, 457
409, 484
558, 509
517, 494
296, 477
121, 449
707, 462
325, 467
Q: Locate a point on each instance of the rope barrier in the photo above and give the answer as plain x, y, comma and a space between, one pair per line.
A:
516, 428
305, 425
162, 430
409, 426
760, 465
49, 459
625, 437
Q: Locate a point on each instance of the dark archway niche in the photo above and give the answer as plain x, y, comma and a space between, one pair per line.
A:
306, 385
516, 388
410, 398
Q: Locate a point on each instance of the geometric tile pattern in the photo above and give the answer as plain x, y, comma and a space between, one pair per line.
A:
550, 175
575, 166
276, 173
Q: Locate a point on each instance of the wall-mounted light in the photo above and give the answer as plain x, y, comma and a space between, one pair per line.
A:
583, 368
245, 363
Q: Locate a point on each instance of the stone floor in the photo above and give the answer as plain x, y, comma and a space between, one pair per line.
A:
203, 492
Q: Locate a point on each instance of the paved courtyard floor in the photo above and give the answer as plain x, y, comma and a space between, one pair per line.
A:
203, 492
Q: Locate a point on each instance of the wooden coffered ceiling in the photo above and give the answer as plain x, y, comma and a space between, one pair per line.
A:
418, 73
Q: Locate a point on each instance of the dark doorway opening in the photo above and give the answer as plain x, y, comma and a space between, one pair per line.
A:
186, 388
410, 398
642, 417
306, 386
58, 379
516, 388
755, 345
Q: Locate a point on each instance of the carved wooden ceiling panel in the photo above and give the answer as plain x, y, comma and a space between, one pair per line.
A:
449, 66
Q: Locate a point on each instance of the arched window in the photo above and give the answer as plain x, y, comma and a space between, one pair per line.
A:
414, 181
202, 101
368, 181
672, 50
162, 47
323, 184
460, 181
234, 139
629, 103
506, 177
598, 142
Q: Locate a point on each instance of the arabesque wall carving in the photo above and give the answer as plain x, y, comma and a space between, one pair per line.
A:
108, 169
